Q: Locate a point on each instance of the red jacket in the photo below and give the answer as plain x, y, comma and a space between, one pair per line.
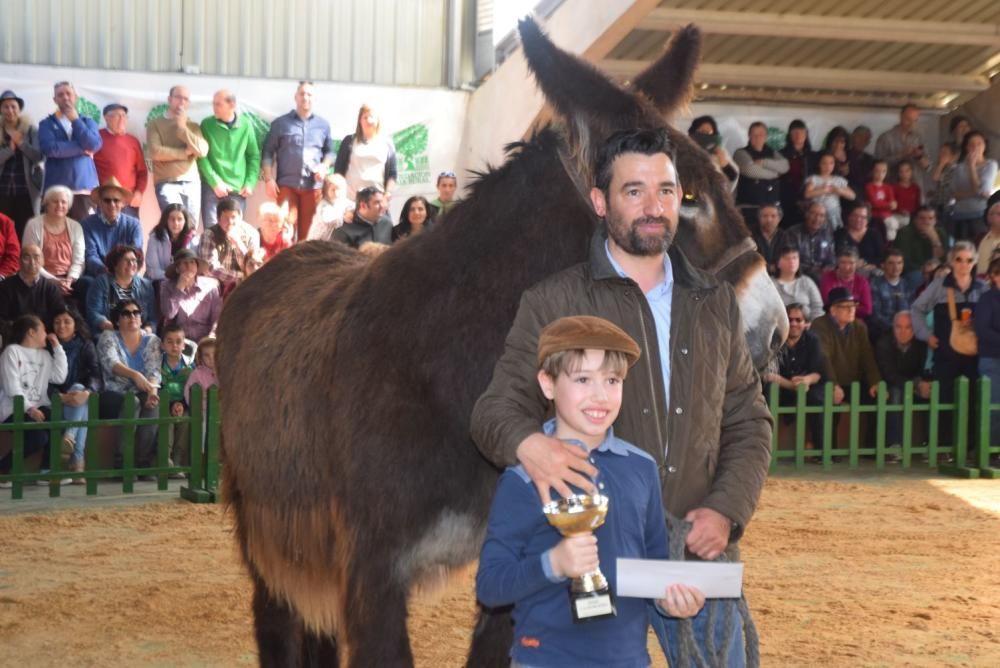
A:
10, 248
121, 157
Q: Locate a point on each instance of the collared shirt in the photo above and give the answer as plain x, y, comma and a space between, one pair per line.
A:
298, 146
660, 300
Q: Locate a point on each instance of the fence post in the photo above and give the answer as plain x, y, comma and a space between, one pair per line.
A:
127, 436
17, 453
960, 413
855, 425
828, 426
195, 491
164, 432
986, 435
55, 448
880, 419
772, 405
907, 424
933, 423
91, 455
800, 427
212, 442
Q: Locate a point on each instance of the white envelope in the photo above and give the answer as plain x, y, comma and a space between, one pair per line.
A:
648, 578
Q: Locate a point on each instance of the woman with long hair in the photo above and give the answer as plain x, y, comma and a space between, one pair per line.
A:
60, 238
972, 183
705, 133
367, 157
174, 232
801, 163
414, 219
795, 288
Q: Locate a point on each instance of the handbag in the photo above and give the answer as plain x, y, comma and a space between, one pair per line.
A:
963, 337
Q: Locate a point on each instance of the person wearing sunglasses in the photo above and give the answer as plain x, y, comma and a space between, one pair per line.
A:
120, 283
130, 361
109, 227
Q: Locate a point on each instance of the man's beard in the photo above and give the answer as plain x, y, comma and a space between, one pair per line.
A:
628, 238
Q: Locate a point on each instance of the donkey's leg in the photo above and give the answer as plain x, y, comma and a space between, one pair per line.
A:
491, 639
279, 630
375, 619
319, 651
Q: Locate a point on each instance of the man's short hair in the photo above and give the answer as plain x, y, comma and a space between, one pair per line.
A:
922, 208
643, 141
859, 204
772, 205
172, 328
906, 107
364, 196
994, 267
848, 251
60, 84
904, 312
796, 306
227, 204
756, 124
893, 252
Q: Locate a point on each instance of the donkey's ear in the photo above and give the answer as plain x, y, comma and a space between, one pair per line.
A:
668, 82
575, 88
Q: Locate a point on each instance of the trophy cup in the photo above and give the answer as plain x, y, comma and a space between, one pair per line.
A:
590, 594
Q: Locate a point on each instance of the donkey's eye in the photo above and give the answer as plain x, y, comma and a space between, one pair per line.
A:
690, 196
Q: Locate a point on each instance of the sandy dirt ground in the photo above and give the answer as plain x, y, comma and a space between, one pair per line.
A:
874, 572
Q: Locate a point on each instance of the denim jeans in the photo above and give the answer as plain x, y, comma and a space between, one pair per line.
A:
668, 633
209, 200
78, 434
187, 193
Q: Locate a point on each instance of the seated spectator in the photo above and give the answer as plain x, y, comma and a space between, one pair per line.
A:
27, 291
204, 371
922, 240
814, 239
176, 230
447, 186
846, 276
882, 197
252, 261
991, 241
859, 161
333, 210
21, 170
705, 133
768, 236
26, 369
369, 225
906, 192
835, 144
176, 369
890, 294
123, 283
864, 238
800, 362
130, 362
226, 244
795, 288
276, 231
59, 237
10, 248
901, 359
973, 184
801, 163
760, 168
69, 141
109, 227
828, 189
846, 347
413, 219
190, 299
83, 377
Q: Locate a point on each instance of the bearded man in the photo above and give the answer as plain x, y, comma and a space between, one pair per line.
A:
693, 401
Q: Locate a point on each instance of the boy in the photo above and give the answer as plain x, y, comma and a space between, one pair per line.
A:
176, 368
582, 363
447, 186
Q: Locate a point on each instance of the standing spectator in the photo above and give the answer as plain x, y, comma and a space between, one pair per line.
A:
922, 240
26, 369
225, 244
835, 144
941, 189
447, 186
987, 323
866, 239
334, 208
973, 183
83, 378
767, 234
21, 171
121, 282
297, 156
413, 219
275, 230
367, 157
800, 362
801, 159
890, 294
109, 227
846, 276
232, 166
846, 348
69, 142
59, 237
991, 241
10, 248
175, 144
705, 133
130, 361
795, 288
369, 225
901, 359
760, 168
958, 127
189, 297
814, 239
859, 160
175, 370
121, 157
28, 291
903, 141
828, 189
176, 230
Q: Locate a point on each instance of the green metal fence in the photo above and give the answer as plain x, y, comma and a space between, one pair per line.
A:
965, 452
202, 472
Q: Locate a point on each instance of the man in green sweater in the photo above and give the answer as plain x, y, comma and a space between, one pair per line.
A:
232, 165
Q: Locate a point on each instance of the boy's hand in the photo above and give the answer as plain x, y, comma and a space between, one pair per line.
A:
681, 601
553, 464
574, 556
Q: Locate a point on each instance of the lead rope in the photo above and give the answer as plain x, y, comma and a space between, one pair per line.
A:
689, 651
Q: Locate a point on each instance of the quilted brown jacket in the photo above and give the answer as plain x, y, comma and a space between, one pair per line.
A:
713, 443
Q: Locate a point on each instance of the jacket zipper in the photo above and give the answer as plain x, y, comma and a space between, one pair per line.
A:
652, 386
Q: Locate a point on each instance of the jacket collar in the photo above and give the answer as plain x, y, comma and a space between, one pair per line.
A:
685, 274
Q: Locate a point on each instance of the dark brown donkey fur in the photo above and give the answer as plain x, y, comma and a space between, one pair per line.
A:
348, 384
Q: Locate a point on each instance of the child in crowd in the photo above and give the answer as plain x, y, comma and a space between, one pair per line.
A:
253, 261
175, 369
276, 231
524, 561
882, 198
333, 210
907, 193
204, 371
447, 186
827, 189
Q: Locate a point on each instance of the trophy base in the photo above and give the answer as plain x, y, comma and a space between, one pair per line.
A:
591, 605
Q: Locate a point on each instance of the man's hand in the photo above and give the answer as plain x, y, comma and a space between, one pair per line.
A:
873, 391
933, 342
709, 533
271, 186
682, 601
246, 191
574, 556
220, 190
838, 394
924, 389
152, 400
70, 113
553, 464
136, 200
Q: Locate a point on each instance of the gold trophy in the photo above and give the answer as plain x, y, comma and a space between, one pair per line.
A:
590, 594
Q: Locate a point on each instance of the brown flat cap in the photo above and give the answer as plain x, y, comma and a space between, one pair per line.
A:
583, 332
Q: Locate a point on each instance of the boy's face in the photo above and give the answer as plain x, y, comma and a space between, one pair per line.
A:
587, 400
173, 344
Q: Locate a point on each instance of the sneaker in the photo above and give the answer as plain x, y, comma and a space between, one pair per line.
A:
146, 478
177, 476
61, 481
68, 445
6, 484
77, 467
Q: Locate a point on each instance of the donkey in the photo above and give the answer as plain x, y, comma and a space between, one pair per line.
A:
350, 381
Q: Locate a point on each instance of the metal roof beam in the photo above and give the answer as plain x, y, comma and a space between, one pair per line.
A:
824, 27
